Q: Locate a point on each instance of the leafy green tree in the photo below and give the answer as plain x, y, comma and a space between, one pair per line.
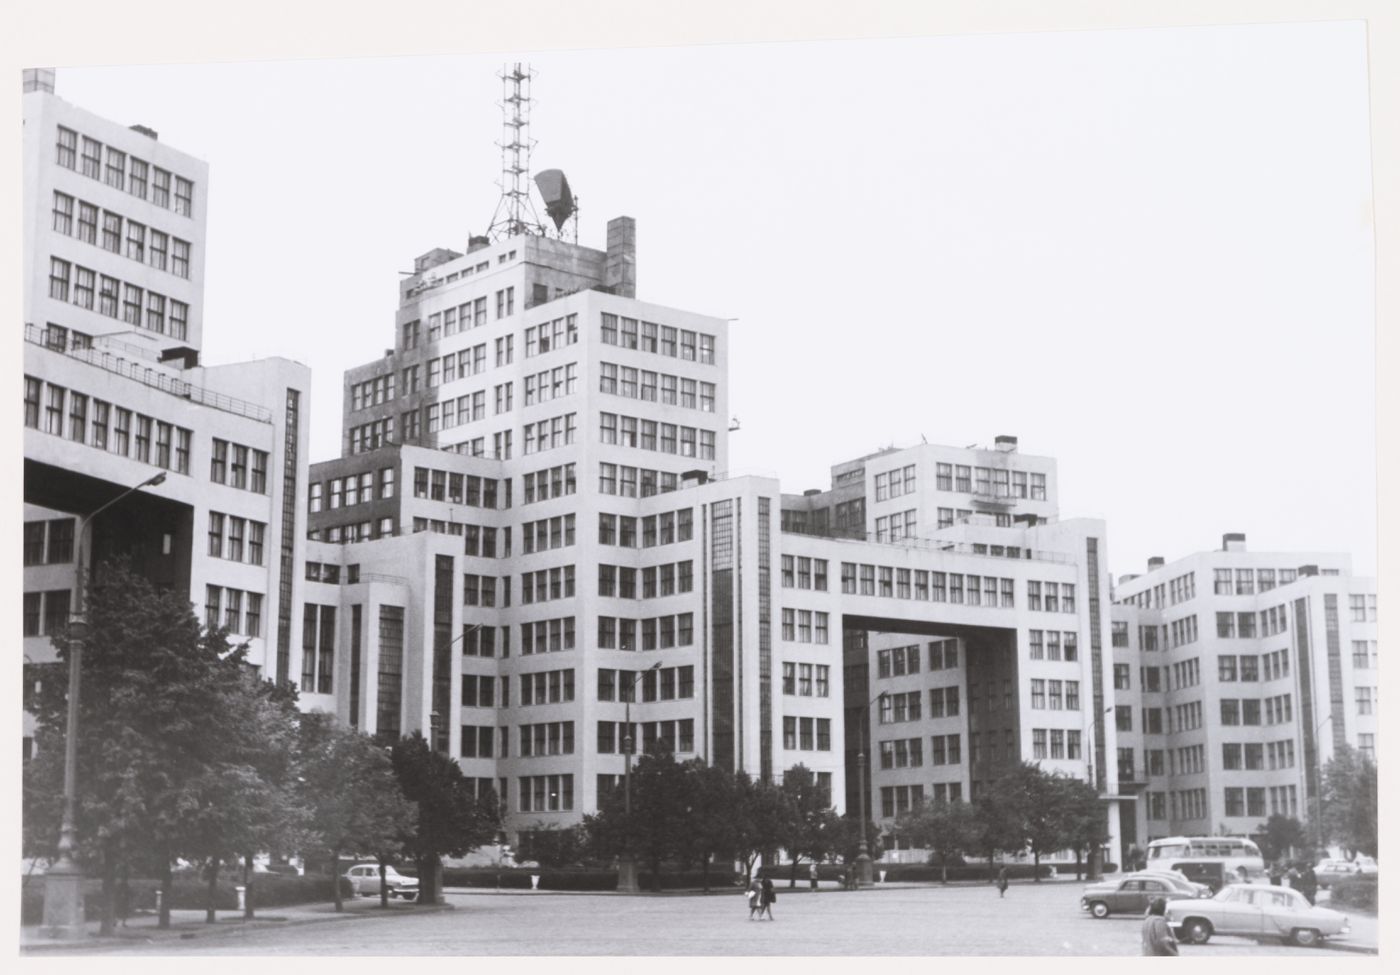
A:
812, 826
160, 700
848, 839
351, 796
712, 815
763, 811
450, 822
1350, 801
947, 829
1001, 825
1278, 835
1085, 820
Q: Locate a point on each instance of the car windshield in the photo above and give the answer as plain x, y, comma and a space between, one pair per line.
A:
1169, 850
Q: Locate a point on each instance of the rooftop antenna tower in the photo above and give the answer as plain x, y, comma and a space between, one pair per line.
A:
515, 213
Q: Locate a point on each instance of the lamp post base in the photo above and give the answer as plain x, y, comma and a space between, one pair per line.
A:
64, 918
865, 871
626, 875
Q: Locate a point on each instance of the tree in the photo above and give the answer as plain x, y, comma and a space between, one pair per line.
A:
848, 839
1085, 820
161, 721
450, 822
555, 846
712, 814
1349, 801
948, 829
762, 813
1278, 835
1000, 826
351, 797
811, 826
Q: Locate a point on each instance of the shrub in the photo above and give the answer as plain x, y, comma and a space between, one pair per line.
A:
1358, 893
518, 878
917, 873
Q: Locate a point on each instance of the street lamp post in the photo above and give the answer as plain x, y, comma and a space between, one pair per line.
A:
865, 869
63, 882
626, 865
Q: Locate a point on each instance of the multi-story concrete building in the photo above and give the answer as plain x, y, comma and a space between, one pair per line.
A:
1237, 675
547, 473
115, 393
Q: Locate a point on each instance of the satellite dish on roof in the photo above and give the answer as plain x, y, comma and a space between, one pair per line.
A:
559, 200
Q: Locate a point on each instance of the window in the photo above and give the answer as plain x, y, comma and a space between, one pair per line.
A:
67, 148
184, 197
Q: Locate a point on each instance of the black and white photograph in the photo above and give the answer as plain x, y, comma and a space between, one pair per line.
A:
615, 480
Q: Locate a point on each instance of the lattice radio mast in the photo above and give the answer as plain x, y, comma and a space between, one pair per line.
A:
515, 213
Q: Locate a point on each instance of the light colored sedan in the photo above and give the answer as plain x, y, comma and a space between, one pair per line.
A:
1176, 880
1256, 911
364, 878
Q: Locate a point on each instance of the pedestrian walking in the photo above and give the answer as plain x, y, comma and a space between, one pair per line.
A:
1308, 884
1002, 882
766, 897
812, 874
1157, 937
1276, 874
755, 895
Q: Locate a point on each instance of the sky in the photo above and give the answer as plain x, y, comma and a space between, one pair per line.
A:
1147, 253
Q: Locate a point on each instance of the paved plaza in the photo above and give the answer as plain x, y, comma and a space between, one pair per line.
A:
1033, 919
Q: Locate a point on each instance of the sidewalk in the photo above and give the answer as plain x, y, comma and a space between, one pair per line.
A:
142, 928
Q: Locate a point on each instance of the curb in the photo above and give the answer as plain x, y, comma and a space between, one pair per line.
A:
161, 935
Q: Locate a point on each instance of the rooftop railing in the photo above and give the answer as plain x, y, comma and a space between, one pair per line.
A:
154, 377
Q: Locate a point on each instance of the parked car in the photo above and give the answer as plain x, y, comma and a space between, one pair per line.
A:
1176, 880
1129, 895
1256, 911
364, 878
1213, 873
1330, 871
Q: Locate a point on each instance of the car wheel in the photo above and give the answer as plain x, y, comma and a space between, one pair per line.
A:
1198, 930
1306, 937
1099, 909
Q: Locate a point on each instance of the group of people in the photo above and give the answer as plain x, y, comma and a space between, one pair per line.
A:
761, 897
1300, 875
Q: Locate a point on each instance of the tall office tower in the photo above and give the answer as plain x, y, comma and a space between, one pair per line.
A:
1239, 674
115, 393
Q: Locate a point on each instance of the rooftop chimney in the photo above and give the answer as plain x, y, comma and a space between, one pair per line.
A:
620, 270
475, 244
1232, 542
147, 131
1155, 562
1307, 570
1127, 578
1006, 443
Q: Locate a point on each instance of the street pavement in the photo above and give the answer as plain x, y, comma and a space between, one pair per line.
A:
963, 919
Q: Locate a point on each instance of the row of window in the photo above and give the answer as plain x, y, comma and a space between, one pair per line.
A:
666, 438
46, 613
801, 572
1249, 756
643, 384
330, 573
657, 684
317, 648
1363, 655
658, 339
49, 542
143, 244
893, 527
806, 680
546, 636
1063, 695
364, 530
632, 482
467, 489
350, 490
63, 412
114, 298
550, 434
372, 435
657, 632
1252, 710
241, 611
1054, 645
990, 482
125, 172
805, 626
547, 533
373, 392
236, 539
806, 734
1229, 626
895, 483
679, 735
237, 466
665, 528
552, 482
1363, 608
666, 579
547, 687
551, 336
938, 587
1055, 743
